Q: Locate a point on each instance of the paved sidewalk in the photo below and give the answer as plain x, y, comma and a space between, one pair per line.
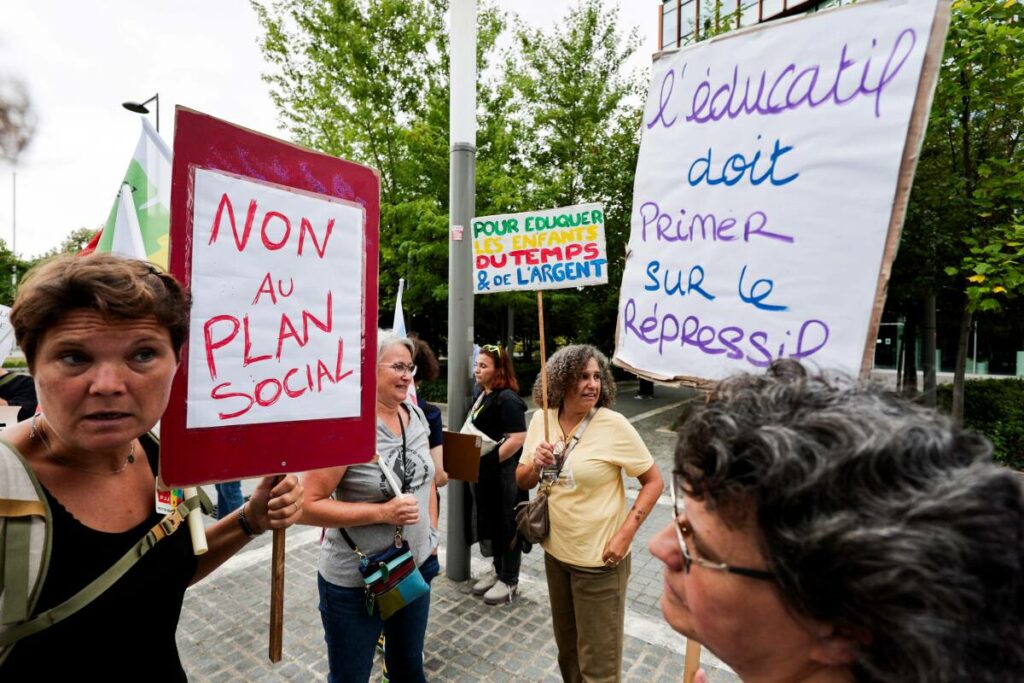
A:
223, 631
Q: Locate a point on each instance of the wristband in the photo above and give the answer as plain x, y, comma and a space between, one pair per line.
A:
243, 522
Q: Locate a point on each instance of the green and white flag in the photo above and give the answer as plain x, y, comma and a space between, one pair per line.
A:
149, 177
127, 239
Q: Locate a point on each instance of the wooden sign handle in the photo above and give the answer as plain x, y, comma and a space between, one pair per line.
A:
543, 365
277, 597
692, 661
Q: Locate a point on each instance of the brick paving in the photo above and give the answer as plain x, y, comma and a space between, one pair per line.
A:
222, 635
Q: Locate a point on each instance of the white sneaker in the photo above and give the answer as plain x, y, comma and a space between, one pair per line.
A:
501, 593
485, 581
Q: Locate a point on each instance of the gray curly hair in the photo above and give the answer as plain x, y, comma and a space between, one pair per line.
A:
564, 369
875, 515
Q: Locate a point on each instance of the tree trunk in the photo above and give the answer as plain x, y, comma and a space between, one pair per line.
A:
910, 357
961, 366
928, 351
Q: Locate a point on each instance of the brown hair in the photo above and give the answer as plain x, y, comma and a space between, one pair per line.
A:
116, 287
427, 368
504, 373
566, 366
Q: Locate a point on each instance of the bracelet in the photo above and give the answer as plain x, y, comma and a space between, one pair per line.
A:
243, 522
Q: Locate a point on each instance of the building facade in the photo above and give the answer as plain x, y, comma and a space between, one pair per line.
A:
682, 22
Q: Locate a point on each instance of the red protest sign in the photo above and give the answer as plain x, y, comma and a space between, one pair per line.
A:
278, 246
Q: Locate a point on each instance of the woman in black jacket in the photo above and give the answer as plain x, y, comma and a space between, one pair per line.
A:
500, 414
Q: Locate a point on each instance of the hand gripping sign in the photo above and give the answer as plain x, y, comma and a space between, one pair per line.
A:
278, 246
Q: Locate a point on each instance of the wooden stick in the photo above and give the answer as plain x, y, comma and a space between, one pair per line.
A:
692, 661
277, 597
543, 365
908, 164
195, 525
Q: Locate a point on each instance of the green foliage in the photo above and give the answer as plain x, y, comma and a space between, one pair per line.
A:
558, 123
367, 80
995, 408
582, 113
10, 265
966, 215
15, 363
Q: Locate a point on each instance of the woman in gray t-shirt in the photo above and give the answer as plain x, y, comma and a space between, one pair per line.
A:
358, 499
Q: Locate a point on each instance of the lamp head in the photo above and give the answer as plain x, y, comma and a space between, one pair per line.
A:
135, 107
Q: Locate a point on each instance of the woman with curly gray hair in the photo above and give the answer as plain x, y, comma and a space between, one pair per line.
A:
830, 532
586, 554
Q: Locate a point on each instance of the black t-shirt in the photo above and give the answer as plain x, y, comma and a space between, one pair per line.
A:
501, 412
128, 632
19, 390
436, 423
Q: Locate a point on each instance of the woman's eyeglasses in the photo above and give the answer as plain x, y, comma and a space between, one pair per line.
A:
492, 348
402, 368
683, 529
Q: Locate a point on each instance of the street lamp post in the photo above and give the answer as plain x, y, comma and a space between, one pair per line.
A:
462, 194
141, 108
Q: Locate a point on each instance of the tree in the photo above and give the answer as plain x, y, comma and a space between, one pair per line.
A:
369, 81
17, 119
967, 206
583, 116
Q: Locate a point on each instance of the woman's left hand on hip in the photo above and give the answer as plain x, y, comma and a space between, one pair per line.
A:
616, 548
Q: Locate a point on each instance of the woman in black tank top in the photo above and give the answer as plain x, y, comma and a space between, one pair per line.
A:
103, 336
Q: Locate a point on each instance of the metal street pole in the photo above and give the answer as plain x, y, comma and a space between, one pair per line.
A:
14, 227
462, 200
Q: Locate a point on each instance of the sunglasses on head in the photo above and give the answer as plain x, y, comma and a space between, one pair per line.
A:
492, 348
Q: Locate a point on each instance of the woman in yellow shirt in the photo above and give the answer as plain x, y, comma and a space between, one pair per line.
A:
586, 554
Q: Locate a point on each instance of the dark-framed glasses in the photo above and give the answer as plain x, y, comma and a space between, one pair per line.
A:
402, 368
683, 529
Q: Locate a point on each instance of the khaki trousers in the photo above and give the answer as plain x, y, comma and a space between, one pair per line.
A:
588, 613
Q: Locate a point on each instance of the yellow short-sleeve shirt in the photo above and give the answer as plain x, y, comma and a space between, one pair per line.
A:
588, 503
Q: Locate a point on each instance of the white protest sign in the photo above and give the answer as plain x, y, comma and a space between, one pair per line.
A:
277, 279
536, 250
765, 191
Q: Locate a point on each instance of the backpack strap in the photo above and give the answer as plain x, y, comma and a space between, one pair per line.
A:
25, 537
161, 530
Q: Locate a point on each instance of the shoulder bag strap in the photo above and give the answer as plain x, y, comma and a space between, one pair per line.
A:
7, 378
164, 528
398, 530
575, 439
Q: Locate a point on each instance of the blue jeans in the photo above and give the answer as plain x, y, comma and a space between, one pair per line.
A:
229, 498
351, 634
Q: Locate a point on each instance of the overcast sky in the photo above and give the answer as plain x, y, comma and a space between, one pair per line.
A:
82, 59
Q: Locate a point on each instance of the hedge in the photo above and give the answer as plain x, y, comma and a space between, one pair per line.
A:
995, 408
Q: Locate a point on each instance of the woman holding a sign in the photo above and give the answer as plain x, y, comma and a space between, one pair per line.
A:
103, 337
499, 413
586, 554
367, 510
827, 532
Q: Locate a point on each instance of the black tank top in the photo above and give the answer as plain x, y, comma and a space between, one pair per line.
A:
126, 634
